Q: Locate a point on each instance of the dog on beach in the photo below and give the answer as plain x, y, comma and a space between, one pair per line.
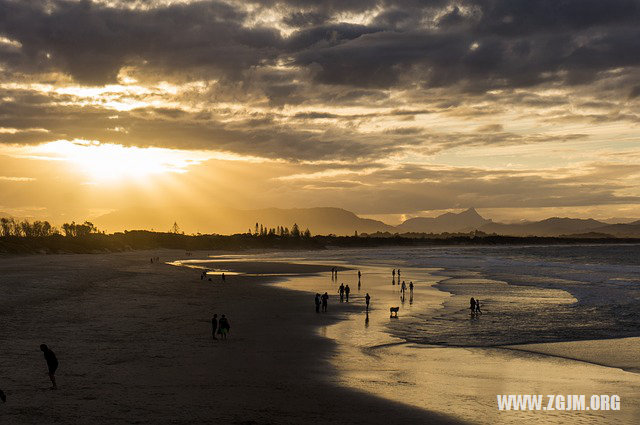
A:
394, 311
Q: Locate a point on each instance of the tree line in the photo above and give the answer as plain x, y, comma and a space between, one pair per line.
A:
282, 231
39, 229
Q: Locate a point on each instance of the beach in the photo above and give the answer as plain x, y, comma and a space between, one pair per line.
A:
134, 343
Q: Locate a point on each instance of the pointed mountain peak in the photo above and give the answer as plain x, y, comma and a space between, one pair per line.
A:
470, 212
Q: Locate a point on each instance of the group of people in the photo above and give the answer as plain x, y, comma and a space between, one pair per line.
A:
322, 300
204, 273
220, 327
334, 273
344, 291
474, 306
155, 260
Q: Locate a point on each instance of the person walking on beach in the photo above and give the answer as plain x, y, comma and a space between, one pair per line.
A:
52, 364
472, 305
404, 287
359, 275
398, 275
318, 303
223, 278
341, 292
224, 327
347, 290
411, 287
367, 298
214, 326
325, 299
393, 274
478, 307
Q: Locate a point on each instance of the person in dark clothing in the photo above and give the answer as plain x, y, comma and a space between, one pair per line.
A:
325, 299
359, 275
223, 278
214, 326
367, 298
318, 302
411, 287
478, 307
472, 305
341, 292
347, 291
224, 327
52, 364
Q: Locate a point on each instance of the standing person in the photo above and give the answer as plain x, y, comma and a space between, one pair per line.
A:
325, 299
367, 298
478, 307
52, 364
223, 278
472, 305
398, 275
404, 287
359, 275
393, 274
214, 326
318, 303
224, 327
411, 287
341, 292
347, 290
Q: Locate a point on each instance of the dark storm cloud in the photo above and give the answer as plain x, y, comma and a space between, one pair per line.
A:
92, 42
481, 43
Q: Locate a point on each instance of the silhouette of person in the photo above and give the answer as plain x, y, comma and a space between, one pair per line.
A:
347, 290
367, 298
214, 326
341, 292
325, 299
52, 363
411, 287
318, 302
224, 327
398, 275
478, 307
393, 274
223, 278
359, 275
472, 305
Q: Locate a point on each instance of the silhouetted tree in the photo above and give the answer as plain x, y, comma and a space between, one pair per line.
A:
295, 231
307, 233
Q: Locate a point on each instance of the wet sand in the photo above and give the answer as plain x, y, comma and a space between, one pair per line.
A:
464, 381
134, 345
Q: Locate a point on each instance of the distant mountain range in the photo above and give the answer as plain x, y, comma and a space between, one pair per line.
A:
338, 221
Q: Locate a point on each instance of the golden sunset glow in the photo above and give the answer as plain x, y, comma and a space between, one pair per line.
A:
389, 115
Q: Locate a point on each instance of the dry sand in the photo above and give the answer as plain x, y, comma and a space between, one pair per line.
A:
134, 345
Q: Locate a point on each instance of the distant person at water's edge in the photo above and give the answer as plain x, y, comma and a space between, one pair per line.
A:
52, 363
367, 298
347, 291
325, 299
341, 292
472, 305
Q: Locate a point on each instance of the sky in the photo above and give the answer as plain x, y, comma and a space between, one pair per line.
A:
391, 109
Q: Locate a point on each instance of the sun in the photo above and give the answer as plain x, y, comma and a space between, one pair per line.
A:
104, 162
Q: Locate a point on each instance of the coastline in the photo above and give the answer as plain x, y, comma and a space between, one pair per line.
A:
133, 340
